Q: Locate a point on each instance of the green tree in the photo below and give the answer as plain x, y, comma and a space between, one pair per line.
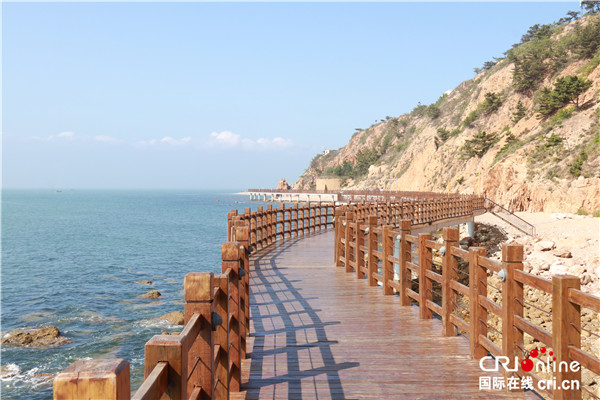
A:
586, 39
591, 6
519, 113
569, 88
433, 111
479, 144
548, 102
492, 103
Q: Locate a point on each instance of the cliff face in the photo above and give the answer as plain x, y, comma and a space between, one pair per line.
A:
498, 134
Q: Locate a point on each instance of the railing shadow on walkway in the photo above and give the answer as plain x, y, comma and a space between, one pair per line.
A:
268, 280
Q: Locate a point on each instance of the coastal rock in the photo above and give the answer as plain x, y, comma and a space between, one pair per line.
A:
466, 242
563, 254
545, 245
283, 185
49, 336
143, 282
153, 294
174, 318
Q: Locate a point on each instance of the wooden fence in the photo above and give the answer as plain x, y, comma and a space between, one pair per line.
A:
204, 360
379, 248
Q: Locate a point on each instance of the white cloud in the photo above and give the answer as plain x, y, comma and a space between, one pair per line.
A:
226, 138
230, 139
167, 140
176, 142
107, 139
68, 135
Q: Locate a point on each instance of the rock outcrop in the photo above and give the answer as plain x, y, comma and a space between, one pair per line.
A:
153, 294
283, 185
174, 318
43, 337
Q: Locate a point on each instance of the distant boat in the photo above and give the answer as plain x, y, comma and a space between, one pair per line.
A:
59, 191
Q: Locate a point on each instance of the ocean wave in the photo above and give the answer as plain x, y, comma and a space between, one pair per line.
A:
12, 376
155, 323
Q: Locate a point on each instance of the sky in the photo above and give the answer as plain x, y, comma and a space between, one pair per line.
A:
224, 95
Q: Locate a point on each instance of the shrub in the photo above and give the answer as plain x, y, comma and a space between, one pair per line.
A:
519, 113
433, 111
511, 145
460, 180
553, 140
491, 104
468, 121
575, 167
582, 211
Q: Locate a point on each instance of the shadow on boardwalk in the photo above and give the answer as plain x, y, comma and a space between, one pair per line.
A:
320, 333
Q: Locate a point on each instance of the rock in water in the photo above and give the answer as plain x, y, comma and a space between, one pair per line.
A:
174, 318
283, 185
144, 282
153, 294
49, 336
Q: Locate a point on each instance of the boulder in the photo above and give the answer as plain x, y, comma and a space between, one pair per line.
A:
174, 318
466, 242
563, 254
49, 336
143, 282
153, 294
545, 245
283, 185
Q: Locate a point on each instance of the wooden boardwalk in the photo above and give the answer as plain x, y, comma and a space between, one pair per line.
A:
319, 333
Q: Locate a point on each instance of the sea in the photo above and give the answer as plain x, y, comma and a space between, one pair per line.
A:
70, 259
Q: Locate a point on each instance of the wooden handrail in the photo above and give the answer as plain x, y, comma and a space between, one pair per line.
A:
567, 298
204, 360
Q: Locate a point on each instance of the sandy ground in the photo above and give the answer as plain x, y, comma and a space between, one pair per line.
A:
564, 244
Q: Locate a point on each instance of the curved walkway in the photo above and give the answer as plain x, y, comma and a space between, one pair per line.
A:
320, 333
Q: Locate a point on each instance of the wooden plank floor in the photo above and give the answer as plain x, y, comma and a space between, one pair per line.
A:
320, 333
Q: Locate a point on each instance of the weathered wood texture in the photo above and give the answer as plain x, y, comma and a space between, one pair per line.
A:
319, 333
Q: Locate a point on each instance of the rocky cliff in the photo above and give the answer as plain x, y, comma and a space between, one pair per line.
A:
525, 131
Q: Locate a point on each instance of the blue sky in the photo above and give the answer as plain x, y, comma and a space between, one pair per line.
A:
224, 95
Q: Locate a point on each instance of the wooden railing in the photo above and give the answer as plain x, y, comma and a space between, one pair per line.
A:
204, 360
381, 249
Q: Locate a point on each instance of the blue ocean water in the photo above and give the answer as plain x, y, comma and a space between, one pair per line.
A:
70, 259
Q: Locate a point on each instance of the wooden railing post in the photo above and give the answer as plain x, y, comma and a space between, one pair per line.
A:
405, 256
189, 363
387, 268
242, 235
449, 267
231, 256
294, 223
94, 380
230, 216
512, 302
425, 264
478, 314
372, 245
338, 229
359, 255
282, 221
221, 338
269, 224
566, 317
348, 249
